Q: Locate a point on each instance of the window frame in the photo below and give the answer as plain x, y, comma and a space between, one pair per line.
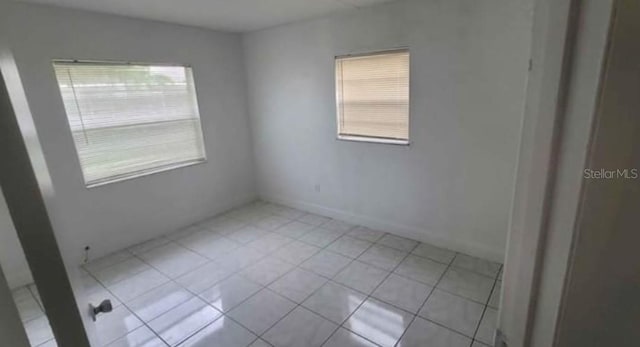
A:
139, 173
364, 138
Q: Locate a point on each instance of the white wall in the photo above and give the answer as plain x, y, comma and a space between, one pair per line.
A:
117, 215
453, 186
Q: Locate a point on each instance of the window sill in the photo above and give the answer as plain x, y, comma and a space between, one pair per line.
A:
133, 175
373, 140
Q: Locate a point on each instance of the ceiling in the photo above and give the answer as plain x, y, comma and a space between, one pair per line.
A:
226, 15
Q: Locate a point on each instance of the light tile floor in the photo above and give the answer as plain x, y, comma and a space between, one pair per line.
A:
269, 275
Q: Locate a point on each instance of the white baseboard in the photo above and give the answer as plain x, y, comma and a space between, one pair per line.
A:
412, 232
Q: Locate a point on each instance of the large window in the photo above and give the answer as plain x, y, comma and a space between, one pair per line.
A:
372, 97
129, 120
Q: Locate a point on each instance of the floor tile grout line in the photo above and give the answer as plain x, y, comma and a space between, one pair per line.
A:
44, 343
475, 333
409, 278
461, 297
209, 260
369, 296
253, 223
165, 236
32, 295
123, 303
484, 306
44, 314
198, 295
223, 314
484, 311
35, 298
246, 299
431, 285
195, 295
310, 295
125, 250
238, 272
133, 255
433, 289
263, 286
129, 276
171, 279
494, 277
377, 242
295, 266
338, 326
328, 279
343, 233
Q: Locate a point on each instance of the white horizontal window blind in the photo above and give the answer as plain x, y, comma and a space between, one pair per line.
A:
372, 93
129, 120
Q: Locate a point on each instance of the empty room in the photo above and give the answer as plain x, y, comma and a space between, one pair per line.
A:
295, 173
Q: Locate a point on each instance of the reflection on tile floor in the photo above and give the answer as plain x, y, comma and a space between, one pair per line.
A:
269, 275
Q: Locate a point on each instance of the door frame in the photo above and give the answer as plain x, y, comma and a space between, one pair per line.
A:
599, 297
567, 58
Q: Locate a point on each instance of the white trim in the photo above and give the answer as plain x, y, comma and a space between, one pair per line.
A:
403, 49
535, 169
137, 174
113, 62
583, 100
189, 84
373, 140
338, 97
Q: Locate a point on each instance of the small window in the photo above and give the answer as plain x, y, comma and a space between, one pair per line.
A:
129, 120
372, 97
